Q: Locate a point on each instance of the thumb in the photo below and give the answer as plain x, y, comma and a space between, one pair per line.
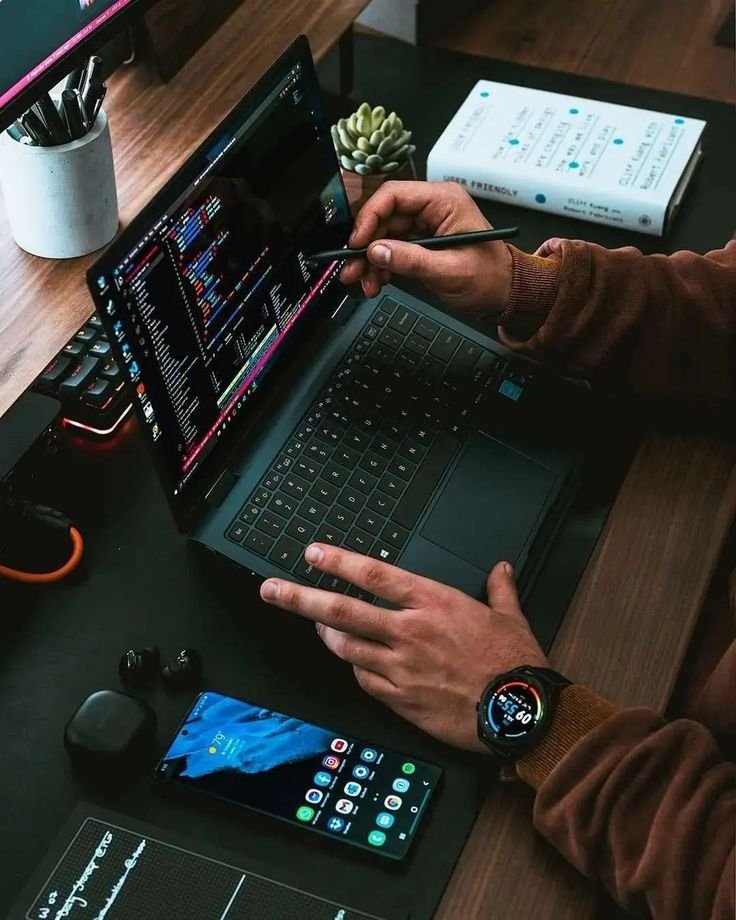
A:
410, 260
502, 594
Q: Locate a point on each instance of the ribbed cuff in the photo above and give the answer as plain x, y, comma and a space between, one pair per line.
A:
534, 287
578, 712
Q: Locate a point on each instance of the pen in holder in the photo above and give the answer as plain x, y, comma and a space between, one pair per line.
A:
61, 201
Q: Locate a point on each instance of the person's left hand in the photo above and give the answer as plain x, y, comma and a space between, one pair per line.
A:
429, 660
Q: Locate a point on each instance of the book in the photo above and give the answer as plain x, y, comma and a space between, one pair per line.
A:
610, 164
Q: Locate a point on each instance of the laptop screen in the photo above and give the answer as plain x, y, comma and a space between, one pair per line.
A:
204, 291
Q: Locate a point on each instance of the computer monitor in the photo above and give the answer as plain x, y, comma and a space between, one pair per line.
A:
209, 289
41, 41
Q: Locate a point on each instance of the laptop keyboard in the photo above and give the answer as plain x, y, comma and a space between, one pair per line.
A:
361, 466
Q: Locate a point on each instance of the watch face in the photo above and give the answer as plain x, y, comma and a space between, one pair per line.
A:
514, 709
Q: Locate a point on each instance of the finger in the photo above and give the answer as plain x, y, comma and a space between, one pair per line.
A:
391, 198
356, 651
397, 226
371, 282
375, 684
502, 594
412, 261
379, 578
345, 613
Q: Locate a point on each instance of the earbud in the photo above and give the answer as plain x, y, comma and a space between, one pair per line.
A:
139, 667
185, 672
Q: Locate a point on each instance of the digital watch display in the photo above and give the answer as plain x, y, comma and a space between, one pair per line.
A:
516, 708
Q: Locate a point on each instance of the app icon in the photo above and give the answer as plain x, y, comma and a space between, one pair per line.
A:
335, 824
339, 745
353, 789
369, 755
344, 806
314, 796
400, 785
331, 762
384, 819
408, 768
322, 778
392, 802
305, 813
376, 838
361, 771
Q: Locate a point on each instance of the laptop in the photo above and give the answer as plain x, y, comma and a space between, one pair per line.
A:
279, 410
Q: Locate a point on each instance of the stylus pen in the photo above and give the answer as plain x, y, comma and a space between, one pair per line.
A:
74, 116
36, 129
46, 109
429, 242
75, 78
93, 103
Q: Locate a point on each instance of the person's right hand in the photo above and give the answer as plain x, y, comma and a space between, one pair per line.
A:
470, 278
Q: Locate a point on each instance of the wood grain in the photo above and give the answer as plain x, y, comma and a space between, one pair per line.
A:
154, 127
625, 635
641, 42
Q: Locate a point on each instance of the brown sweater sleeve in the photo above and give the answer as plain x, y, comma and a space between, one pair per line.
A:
661, 325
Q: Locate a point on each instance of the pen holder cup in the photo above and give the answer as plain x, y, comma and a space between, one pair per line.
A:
61, 202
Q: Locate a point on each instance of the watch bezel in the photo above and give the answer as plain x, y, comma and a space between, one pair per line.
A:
503, 747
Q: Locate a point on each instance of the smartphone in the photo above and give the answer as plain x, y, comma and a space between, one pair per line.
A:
309, 776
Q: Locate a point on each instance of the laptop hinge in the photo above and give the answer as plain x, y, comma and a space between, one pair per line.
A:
221, 488
345, 310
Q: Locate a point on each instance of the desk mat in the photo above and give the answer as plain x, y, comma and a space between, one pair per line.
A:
105, 865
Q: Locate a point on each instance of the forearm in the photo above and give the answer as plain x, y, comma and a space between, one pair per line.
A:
644, 806
656, 324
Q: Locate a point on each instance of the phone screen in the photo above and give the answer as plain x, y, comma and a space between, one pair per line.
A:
309, 776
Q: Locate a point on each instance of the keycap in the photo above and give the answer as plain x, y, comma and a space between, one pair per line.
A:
94, 321
384, 552
431, 368
402, 319
328, 534
444, 345
300, 530
373, 463
312, 510
395, 535
286, 552
461, 366
390, 338
258, 542
361, 594
305, 570
102, 349
385, 447
388, 305
335, 474
363, 481
260, 497
324, 492
411, 450
351, 499
356, 439
307, 469
270, 523
333, 583
284, 463
272, 481
75, 349
358, 540
370, 521
381, 354
415, 499
55, 372
346, 456
416, 344
381, 503
329, 432
110, 371
294, 447
86, 334
295, 486
249, 514
379, 318
402, 468
371, 332
283, 504
318, 451
79, 377
408, 359
237, 531
391, 485
340, 517
426, 328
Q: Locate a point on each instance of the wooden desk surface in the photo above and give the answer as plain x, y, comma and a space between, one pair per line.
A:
154, 127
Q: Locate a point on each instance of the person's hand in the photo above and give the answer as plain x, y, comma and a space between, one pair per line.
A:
471, 278
429, 660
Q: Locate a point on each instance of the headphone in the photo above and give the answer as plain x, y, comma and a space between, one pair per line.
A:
41, 537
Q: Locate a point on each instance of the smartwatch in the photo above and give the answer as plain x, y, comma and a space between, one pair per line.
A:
516, 709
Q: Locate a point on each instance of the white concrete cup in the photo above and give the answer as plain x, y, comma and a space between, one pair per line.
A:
61, 202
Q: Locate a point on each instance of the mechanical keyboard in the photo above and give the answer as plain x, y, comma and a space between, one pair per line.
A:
361, 466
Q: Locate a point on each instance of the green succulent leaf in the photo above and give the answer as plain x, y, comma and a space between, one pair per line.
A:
345, 139
374, 161
360, 156
390, 167
365, 145
377, 116
363, 170
364, 110
386, 145
348, 163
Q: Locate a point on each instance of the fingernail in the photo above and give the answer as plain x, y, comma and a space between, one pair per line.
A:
270, 590
313, 554
352, 236
508, 569
318, 627
380, 254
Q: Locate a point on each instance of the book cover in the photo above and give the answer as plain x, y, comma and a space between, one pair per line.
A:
611, 164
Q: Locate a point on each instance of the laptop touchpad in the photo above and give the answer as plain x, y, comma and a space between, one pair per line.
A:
490, 504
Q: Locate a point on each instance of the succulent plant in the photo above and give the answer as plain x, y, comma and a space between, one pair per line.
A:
370, 142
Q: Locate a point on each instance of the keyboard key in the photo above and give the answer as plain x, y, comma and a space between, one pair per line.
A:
333, 583
346, 456
324, 492
381, 503
340, 517
395, 535
402, 319
373, 463
283, 504
402, 468
361, 594
422, 436
411, 450
312, 510
426, 328
258, 542
381, 355
391, 339
423, 485
351, 499
300, 530
305, 432
272, 481
75, 349
370, 521
98, 392
75, 382
385, 447
486, 367
284, 463
270, 523
101, 349
307, 469
95, 322
357, 439
305, 570
391, 485
286, 553
328, 432
388, 305
371, 332
294, 447
249, 514
380, 318
358, 540
110, 371
86, 334
461, 366
54, 373
408, 359
295, 486
416, 344
237, 532
364, 482
318, 451
431, 368
384, 552
444, 345
329, 534
260, 497
335, 474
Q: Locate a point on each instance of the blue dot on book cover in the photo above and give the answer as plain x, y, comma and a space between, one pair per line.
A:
540, 198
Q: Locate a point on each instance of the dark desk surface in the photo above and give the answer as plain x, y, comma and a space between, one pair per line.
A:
637, 602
